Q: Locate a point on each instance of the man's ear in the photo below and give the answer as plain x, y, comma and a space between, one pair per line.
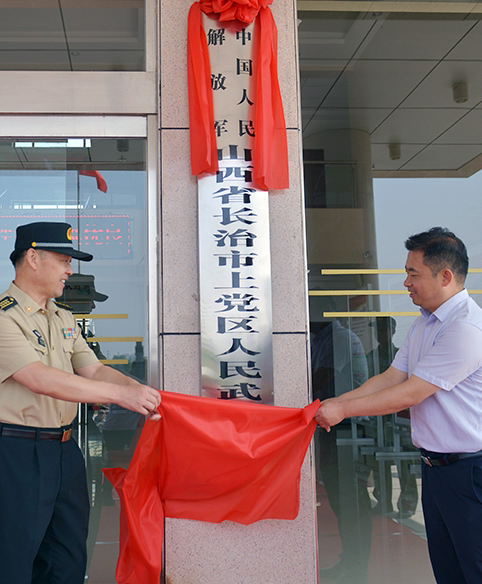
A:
32, 258
447, 276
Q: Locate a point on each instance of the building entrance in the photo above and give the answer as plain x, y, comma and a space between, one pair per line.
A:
99, 186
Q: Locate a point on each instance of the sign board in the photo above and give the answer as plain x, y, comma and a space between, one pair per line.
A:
235, 266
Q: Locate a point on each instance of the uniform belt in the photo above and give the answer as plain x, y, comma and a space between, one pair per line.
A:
441, 459
14, 431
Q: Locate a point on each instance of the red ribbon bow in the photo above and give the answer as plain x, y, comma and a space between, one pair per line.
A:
243, 10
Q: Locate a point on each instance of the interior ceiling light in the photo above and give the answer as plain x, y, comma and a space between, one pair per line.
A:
461, 92
122, 145
69, 143
395, 151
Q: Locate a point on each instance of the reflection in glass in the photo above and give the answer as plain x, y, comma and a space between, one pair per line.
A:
389, 151
58, 35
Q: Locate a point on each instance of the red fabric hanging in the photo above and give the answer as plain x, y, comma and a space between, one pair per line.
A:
204, 153
270, 151
207, 460
101, 184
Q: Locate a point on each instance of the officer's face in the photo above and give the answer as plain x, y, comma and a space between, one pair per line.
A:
425, 289
54, 271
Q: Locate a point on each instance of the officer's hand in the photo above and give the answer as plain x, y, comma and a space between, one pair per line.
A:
142, 399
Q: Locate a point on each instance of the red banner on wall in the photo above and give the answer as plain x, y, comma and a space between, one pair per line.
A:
270, 150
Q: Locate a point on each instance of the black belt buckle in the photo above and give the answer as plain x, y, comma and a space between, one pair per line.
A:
66, 435
426, 460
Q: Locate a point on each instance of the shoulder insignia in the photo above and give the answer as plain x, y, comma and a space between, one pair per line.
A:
64, 306
7, 302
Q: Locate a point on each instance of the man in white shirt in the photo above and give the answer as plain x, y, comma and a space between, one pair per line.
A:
438, 373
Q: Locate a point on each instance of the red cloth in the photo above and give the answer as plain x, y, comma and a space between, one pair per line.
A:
227, 10
204, 153
270, 151
101, 184
207, 460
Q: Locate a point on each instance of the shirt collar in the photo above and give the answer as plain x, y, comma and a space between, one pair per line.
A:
27, 303
446, 308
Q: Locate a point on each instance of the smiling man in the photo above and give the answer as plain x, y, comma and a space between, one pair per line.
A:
438, 373
44, 506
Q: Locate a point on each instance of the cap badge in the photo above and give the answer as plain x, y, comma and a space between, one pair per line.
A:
69, 233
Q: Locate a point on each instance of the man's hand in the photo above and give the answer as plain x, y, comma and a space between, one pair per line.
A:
129, 393
140, 398
329, 414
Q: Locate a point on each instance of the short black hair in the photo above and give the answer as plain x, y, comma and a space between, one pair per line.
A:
17, 257
441, 249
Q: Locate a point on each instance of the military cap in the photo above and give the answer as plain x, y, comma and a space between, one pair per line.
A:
79, 293
48, 236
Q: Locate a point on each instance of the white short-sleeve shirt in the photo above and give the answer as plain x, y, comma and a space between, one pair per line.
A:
445, 348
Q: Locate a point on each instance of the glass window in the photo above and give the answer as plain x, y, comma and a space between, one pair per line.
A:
99, 187
392, 144
66, 36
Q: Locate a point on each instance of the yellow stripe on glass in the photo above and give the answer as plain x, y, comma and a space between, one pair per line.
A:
114, 339
366, 292
345, 272
367, 314
97, 316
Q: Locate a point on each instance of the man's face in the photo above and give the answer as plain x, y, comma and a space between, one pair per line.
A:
425, 290
54, 270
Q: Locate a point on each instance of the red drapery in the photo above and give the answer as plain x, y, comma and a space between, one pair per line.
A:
270, 151
207, 460
101, 184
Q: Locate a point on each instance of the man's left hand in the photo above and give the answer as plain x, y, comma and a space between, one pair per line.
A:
329, 414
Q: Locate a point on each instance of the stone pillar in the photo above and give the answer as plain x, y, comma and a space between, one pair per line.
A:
268, 551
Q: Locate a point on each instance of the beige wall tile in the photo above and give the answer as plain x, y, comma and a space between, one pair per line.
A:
173, 63
182, 364
288, 268
179, 249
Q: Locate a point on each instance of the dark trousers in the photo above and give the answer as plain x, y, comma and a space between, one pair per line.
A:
452, 506
44, 512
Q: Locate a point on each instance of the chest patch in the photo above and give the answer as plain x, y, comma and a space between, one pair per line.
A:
69, 333
41, 342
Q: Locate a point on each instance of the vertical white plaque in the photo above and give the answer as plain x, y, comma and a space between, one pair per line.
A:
235, 264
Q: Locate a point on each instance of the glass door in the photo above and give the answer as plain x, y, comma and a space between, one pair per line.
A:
392, 143
101, 187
